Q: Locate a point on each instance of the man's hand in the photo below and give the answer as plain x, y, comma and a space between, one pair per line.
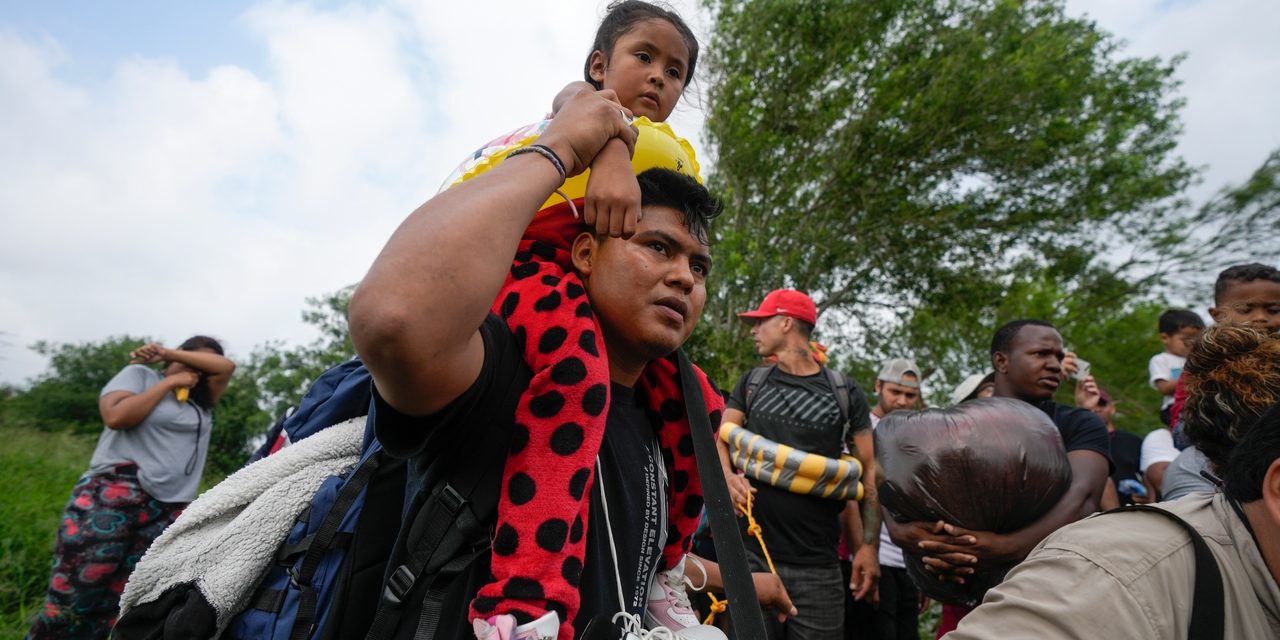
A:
978, 549
865, 578
912, 536
582, 127
773, 595
570, 90
612, 202
1087, 393
740, 489
1070, 364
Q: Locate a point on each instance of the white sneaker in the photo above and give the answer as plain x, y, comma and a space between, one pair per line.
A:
503, 627
669, 607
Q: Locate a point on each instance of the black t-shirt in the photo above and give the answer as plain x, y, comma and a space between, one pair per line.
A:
1081, 429
1126, 450
629, 460
801, 412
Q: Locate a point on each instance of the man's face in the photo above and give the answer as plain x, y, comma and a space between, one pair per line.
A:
892, 396
1179, 342
768, 334
1032, 369
1255, 303
648, 290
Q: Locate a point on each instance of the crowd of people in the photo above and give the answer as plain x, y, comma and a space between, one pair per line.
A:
564, 328
1112, 576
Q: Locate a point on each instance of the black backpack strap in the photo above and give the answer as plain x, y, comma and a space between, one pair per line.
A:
323, 540
840, 386
445, 535
748, 621
1208, 612
755, 378
433, 600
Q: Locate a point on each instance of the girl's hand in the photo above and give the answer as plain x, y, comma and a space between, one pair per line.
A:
148, 354
612, 203
186, 379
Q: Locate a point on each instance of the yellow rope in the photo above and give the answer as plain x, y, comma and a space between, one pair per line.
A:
754, 529
717, 606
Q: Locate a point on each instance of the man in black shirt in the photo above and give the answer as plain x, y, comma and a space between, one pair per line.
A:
445, 368
796, 406
1028, 358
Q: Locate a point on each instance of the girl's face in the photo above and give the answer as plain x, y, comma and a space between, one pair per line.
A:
646, 68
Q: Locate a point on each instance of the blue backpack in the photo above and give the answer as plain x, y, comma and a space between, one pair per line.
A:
338, 395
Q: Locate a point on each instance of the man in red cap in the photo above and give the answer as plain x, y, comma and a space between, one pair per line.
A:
801, 404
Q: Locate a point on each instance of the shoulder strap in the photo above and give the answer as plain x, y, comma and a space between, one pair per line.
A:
840, 386
1207, 609
443, 536
324, 540
755, 378
748, 621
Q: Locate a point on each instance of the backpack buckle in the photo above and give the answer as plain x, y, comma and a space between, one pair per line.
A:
451, 500
398, 586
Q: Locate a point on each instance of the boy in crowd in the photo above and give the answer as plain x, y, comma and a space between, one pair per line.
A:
1178, 328
1244, 294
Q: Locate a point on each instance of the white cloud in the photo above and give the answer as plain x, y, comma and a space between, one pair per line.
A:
1228, 77
155, 201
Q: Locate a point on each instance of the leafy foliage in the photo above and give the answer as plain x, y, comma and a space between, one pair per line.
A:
66, 396
930, 170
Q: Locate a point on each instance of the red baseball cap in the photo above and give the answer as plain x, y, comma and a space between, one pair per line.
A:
785, 302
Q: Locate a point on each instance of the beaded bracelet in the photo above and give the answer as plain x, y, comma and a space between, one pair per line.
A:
545, 152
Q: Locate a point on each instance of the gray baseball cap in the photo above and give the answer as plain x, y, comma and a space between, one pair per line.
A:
894, 369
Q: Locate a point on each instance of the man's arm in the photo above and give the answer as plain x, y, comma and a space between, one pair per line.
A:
1110, 497
769, 588
740, 488
865, 452
1154, 479
866, 555
985, 549
455, 251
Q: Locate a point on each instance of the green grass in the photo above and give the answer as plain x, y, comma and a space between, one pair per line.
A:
39, 470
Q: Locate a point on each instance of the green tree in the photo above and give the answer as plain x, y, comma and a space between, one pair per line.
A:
880, 155
66, 395
281, 375
275, 377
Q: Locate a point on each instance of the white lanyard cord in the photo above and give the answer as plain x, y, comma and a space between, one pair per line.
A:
631, 624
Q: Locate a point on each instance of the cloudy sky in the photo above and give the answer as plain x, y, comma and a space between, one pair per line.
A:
179, 168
